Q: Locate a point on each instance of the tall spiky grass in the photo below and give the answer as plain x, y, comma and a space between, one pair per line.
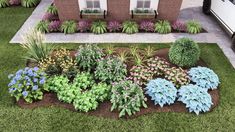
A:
36, 49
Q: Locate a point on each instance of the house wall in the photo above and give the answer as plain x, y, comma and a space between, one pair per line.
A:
118, 10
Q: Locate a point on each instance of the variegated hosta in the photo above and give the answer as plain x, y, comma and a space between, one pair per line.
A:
178, 76
157, 66
140, 74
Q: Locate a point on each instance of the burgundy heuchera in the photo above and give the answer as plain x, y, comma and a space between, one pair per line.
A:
179, 26
54, 26
147, 26
83, 26
114, 26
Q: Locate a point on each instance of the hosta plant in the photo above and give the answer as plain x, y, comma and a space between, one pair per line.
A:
52, 9
87, 56
83, 80
130, 27
54, 26
36, 49
68, 93
193, 27
69, 27
57, 83
147, 26
29, 3
4, 3
184, 52
179, 26
99, 27
83, 26
161, 91
42, 26
163, 27
110, 69
127, 97
204, 77
177, 76
27, 84
195, 98
114, 26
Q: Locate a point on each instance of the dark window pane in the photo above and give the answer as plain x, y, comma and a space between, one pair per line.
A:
147, 4
140, 4
96, 4
89, 4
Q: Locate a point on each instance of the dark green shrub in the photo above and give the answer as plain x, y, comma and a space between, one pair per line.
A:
99, 27
163, 27
69, 27
130, 27
184, 52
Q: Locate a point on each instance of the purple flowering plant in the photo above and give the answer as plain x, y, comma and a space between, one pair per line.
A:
114, 26
147, 26
179, 26
83, 26
27, 84
54, 26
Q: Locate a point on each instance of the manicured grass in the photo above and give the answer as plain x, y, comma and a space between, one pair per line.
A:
13, 118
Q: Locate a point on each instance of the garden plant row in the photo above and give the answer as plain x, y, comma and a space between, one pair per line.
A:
91, 75
24, 3
51, 23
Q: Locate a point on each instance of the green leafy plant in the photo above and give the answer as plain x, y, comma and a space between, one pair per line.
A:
193, 27
36, 49
88, 55
85, 102
140, 74
57, 83
163, 27
69, 27
184, 52
27, 84
138, 60
134, 49
52, 9
110, 69
101, 91
127, 97
157, 66
29, 3
149, 51
83, 80
43, 26
130, 27
99, 27
4, 3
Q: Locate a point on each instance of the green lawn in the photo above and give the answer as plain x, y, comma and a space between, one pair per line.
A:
12, 118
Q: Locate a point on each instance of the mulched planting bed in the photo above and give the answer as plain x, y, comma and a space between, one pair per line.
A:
103, 110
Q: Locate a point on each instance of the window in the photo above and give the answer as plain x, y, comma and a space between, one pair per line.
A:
143, 4
93, 4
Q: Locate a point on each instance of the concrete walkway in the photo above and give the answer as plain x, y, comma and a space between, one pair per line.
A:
191, 9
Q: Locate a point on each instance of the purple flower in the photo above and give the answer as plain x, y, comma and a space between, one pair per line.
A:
14, 2
83, 26
28, 83
11, 90
147, 26
35, 87
48, 16
179, 26
54, 26
25, 93
35, 68
35, 80
114, 26
42, 81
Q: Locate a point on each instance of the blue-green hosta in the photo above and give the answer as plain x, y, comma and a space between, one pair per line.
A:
204, 77
27, 84
195, 98
161, 91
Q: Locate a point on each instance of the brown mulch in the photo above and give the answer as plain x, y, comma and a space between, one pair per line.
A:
104, 109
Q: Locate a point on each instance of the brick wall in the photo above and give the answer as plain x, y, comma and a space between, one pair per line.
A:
118, 10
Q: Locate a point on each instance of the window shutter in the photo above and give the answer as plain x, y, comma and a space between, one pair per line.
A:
154, 4
82, 4
133, 4
103, 5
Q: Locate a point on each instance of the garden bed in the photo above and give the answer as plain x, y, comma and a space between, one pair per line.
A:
103, 110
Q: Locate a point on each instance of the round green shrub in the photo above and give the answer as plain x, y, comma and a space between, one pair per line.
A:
184, 52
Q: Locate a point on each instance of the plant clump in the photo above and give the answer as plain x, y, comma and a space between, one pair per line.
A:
83, 26
29, 3
69, 27
193, 27
130, 27
99, 27
147, 26
163, 27
114, 26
